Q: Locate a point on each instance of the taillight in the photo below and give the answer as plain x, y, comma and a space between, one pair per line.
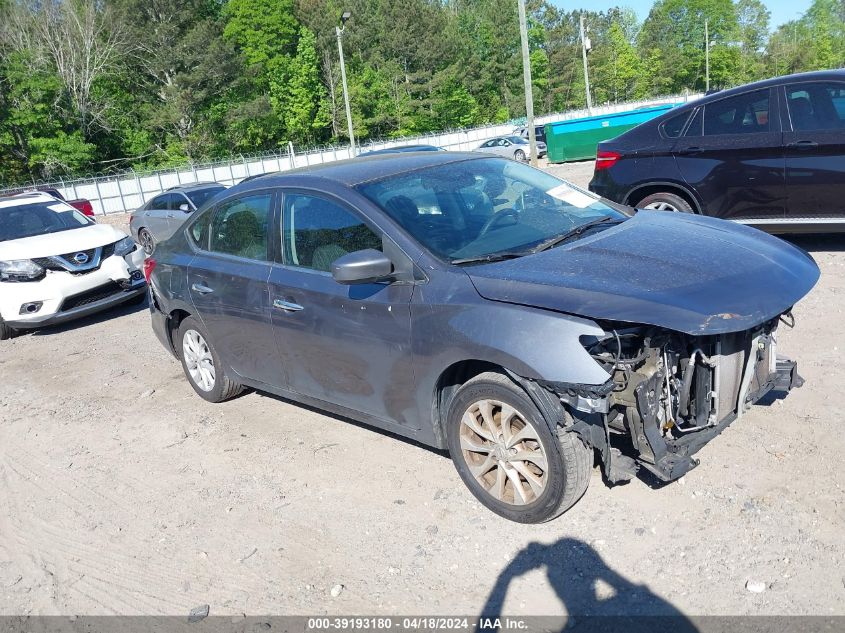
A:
149, 267
606, 159
87, 208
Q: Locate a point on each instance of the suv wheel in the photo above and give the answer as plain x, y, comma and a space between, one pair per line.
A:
202, 365
665, 201
5, 331
507, 456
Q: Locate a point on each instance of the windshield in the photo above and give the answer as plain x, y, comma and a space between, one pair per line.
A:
200, 196
38, 218
477, 208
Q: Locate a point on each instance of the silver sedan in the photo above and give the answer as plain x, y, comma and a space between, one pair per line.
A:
514, 147
159, 218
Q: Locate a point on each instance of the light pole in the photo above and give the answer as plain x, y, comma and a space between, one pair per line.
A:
339, 30
586, 46
526, 76
706, 57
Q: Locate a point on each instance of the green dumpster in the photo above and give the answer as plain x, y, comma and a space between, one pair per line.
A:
577, 139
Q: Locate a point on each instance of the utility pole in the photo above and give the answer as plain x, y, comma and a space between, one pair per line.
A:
526, 76
339, 30
706, 57
585, 46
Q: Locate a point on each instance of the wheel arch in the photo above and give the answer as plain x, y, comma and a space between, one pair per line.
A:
174, 320
459, 373
641, 191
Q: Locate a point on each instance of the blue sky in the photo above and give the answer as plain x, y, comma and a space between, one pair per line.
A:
782, 10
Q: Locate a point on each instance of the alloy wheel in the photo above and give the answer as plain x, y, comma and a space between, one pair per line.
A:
503, 452
198, 360
147, 242
661, 206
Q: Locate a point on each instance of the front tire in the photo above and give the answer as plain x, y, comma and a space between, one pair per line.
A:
202, 365
5, 331
508, 457
665, 201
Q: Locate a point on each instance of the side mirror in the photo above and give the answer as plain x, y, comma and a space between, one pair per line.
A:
185, 207
362, 267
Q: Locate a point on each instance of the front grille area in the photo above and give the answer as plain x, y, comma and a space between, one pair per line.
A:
47, 263
91, 253
91, 296
65, 262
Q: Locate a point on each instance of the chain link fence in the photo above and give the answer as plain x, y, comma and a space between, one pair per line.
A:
128, 191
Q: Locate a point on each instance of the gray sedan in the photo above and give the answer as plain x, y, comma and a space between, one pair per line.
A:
514, 147
159, 218
475, 304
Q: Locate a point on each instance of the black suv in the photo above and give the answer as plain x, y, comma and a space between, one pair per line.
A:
770, 154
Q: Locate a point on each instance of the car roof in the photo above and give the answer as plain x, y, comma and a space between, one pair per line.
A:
816, 75
402, 148
359, 170
194, 186
20, 199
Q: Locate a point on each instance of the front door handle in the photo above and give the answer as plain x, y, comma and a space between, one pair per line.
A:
803, 144
287, 306
689, 150
203, 290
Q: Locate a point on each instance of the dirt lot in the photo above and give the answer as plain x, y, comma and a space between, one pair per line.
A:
123, 492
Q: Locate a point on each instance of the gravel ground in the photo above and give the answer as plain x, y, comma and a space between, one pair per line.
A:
122, 492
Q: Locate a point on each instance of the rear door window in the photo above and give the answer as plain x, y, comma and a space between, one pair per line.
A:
816, 106
240, 226
696, 125
743, 114
161, 202
673, 127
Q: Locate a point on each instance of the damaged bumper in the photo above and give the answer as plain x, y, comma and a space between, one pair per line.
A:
670, 394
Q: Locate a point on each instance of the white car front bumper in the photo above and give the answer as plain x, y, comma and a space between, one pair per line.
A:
64, 296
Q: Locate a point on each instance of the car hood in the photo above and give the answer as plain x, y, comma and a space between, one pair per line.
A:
59, 243
683, 272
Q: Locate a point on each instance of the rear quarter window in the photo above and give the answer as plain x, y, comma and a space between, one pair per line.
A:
672, 127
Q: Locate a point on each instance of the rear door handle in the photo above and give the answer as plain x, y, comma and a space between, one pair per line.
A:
203, 290
689, 150
803, 144
287, 306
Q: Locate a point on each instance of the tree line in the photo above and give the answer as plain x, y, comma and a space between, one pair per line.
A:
99, 86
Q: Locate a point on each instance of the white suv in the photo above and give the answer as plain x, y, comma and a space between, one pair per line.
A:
56, 264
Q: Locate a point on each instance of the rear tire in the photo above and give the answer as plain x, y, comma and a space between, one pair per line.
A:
147, 242
665, 201
203, 368
519, 155
507, 456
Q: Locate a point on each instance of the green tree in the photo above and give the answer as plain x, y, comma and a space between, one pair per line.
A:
299, 93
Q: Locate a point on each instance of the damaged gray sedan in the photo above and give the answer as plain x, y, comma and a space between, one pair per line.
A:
479, 305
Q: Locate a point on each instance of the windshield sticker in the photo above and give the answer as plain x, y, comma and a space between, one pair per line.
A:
571, 196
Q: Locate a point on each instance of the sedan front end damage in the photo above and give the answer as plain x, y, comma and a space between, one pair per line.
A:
671, 393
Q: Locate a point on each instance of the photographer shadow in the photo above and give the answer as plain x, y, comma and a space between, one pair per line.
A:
595, 597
